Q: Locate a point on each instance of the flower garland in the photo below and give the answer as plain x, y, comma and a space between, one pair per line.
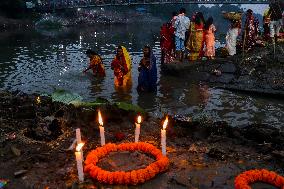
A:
121, 177
243, 180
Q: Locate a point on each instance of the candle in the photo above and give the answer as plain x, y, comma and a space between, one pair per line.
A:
79, 161
78, 135
102, 129
137, 129
78, 138
163, 136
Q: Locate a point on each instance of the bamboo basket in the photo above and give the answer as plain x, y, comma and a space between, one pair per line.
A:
232, 15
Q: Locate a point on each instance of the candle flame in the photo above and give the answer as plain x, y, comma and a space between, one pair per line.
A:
100, 118
38, 100
139, 119
165, 123
79, 146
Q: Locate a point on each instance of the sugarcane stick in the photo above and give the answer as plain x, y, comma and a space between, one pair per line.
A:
274, 48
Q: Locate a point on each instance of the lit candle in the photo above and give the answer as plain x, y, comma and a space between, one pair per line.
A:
163, 136
137, 129
102, 129
78, 138
79, 161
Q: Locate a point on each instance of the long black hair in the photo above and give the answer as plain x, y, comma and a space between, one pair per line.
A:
91, 52
208, 23
199, 18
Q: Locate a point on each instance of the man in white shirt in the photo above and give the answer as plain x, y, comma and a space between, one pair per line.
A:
181, 25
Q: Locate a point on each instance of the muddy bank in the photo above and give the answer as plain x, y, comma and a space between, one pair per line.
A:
35, 138
258, 71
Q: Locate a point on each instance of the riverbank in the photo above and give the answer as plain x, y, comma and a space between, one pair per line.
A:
258, 71
36, 134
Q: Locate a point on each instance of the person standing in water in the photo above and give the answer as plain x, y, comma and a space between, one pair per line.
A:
96, 64
147, 79
251, 31
275, 14
209, 39
231, 37
181, 25
119, 66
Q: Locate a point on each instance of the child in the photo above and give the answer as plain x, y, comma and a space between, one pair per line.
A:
231, 38
209, 38
96, 64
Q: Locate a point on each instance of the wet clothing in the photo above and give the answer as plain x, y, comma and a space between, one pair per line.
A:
120, 69
251, 32
147, 79
231, 41
167, 43
97, 66
195, 42
210, 41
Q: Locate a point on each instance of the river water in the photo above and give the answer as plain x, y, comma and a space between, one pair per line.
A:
41, 61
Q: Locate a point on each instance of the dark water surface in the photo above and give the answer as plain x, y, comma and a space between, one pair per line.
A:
40, 61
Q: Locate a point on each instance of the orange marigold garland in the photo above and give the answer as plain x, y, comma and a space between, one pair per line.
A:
121, 177
243, 180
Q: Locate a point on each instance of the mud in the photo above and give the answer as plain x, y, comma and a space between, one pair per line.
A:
258, 71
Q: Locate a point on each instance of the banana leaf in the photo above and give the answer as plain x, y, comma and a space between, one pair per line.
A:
130, 107
66, 97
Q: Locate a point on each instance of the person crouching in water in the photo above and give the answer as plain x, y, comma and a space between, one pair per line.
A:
147, 79
96, 64
119, 66
209, 39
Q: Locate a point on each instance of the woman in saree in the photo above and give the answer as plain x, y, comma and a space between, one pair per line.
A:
195, 42
231, 37
147, 79
251, 30
167, 43
96, 64
121, 66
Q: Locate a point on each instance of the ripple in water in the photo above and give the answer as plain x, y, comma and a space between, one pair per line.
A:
41, 63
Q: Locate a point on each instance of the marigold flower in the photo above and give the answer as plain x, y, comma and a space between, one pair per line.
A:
243, 180
130, 177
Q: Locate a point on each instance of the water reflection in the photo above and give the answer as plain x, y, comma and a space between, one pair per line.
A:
37, 61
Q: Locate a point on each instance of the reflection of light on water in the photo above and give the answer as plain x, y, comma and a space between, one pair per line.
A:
39, 69
80, 41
